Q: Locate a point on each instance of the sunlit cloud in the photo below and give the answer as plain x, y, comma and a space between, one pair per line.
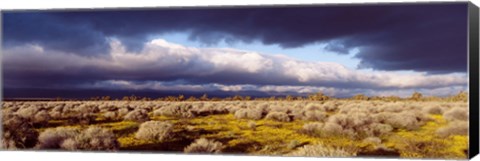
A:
211, 69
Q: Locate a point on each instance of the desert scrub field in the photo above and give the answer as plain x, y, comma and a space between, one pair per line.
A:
338, 128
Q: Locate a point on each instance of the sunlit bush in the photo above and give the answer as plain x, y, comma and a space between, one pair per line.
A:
278, 116
248, 114
137, 115
179, 110
453, 128
320, 151
433, 110
203, 145
313, 128
154, 130
17, 133
409, 120
112, 116
314, 106
456, 114
315, 116
53, 138
93, 138
356, 125
373, 140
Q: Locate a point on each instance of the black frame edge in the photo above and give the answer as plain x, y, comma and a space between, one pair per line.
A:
473, 79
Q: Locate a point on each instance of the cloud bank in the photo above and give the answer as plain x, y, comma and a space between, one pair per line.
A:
165, 66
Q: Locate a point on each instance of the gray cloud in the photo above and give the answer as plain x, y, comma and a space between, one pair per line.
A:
192, 68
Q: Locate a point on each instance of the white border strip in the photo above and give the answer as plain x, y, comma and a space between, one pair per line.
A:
82, 156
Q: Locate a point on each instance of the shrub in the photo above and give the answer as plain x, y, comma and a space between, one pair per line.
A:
54, 138
436, 110
106, 108
331, 128
241, 113
111, 115
379, 129
41, 117
203, 145
56, 115
392, 107
248, 114
17, 133
373, 140
69, 144
298, 114
381, 117
313, 128
422, 118
182, 110
81, 114
34, 114
453, 128
409, 120
158, 112
83, 118
315, 116
264, 107
339, 119
137, 115
277, 108
27, 112
331, 106
233, 109
190, 128
320, 151
208, 109
293, 144
278, 116
154, 130
456, 114
87, 109
355, 124
313, 106
93, 138
252, 125
356, 120
123, 111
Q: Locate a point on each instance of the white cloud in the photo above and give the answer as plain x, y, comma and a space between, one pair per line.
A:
277, 89
221, 68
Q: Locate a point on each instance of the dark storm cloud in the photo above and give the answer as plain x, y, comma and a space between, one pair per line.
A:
49, 31
420, 37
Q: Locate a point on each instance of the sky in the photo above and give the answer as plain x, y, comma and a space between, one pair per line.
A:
377, 50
